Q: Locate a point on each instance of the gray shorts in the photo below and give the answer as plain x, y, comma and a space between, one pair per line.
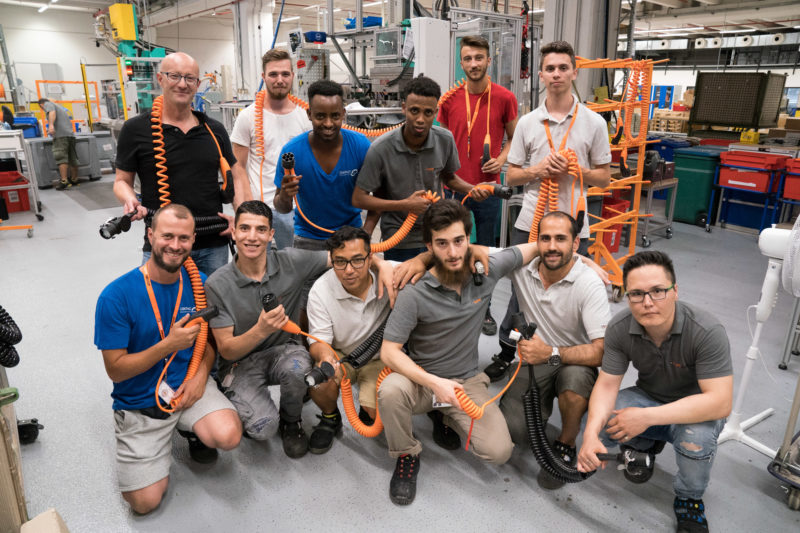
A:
144, 444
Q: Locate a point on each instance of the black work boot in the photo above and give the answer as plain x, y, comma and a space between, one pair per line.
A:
199, 452
500, 364
322, 437
403, 487
691, 515
295, 440
443, 435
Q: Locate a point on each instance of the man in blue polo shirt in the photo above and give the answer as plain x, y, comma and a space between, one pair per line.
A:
327, 161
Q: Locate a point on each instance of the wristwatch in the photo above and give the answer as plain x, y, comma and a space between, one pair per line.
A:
555, 357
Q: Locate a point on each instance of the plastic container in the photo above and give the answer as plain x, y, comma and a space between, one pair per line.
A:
17, 198
666, 148
611, 208
695, 168
765, 160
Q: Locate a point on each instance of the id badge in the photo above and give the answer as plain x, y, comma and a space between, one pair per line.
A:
165, 392
437, 404
227, 380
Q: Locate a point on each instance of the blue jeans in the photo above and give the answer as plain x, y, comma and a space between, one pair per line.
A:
694, 466
283, 224
485, 215
403, 254
207, 259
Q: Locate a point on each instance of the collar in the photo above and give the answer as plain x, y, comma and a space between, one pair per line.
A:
400, 145
272, 268
677, 323
572, 274
341, 294
542, 112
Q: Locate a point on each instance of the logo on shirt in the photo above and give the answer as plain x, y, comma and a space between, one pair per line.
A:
477, 301
185, 310
352, 173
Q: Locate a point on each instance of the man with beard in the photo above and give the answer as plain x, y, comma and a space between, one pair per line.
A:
134, 331
327, 162
568, 303
439, 318
282, 120
405, 163
480, 113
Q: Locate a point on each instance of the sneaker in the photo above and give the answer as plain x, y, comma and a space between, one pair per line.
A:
363, 415
443, 435
498, 368
569, 455
199, 452
74, 182
489, 326
691, 515
403, 486
295, 440
322, 437
61, 185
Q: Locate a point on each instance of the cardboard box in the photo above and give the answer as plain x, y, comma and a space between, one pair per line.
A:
13, 511
782, 120
47, 522
776, 133
792, 123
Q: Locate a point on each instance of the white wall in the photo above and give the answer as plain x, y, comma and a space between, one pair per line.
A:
209, 42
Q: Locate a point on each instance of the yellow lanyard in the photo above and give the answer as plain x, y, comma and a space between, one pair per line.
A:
472, 117
154, 304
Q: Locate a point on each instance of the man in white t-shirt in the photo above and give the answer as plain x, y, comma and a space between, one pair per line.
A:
282, 120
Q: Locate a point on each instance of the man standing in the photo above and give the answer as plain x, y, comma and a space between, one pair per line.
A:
479, 113
344, 310
684, 389
439, 320
568, 303
59, 127
256, 352
258, 152
560, 122
133, 330
405, 163
193, 146
327, 162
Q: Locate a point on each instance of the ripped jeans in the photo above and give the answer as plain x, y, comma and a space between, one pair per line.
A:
695, 444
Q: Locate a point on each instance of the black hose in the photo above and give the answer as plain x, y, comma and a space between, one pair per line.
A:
365, 351
204, 225
9, 332
548, 461
8, 355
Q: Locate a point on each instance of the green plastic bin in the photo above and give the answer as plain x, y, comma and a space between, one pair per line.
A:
694, 168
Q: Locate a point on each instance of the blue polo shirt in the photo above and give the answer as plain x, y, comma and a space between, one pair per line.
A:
326, 199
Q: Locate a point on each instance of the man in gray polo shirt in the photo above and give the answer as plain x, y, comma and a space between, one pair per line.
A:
403, 164
440, 320
568, 303
684, 389
59, 127
256, 352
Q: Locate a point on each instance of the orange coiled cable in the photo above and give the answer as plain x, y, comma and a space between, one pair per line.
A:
451, 91
259, 126
484, 186
403, 231
158, 150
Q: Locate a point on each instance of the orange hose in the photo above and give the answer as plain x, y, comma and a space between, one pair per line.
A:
369, 133
403, 231
159, 151
451, 91
481, 186
259, 126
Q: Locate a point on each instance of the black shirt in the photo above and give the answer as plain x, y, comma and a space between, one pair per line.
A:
192, 166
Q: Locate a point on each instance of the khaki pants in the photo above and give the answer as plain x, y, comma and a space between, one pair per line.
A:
399, 399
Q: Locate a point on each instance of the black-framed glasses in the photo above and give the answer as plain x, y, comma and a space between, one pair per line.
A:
637, 297
356, 262
174, 77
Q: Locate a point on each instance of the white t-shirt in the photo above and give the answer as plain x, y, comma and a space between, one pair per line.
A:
588, 137
278, 130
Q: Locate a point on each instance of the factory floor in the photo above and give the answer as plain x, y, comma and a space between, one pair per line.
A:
50, 284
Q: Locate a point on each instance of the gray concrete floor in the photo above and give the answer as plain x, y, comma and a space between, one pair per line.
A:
50, 284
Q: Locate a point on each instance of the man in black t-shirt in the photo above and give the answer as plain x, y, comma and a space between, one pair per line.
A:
192, 160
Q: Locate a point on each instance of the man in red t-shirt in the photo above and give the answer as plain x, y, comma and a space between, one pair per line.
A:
476, 107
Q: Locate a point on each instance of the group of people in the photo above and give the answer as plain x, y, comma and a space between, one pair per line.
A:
304, 245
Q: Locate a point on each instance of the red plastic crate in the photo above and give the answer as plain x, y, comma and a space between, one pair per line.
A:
793, 165
747, 180
744, 158
611, 208
9, 177
17, 198
791, 187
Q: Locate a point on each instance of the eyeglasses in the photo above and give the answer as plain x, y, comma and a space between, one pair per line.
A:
356, 262
174, 77
658, 293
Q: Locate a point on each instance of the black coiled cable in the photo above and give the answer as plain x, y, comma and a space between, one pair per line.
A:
205, 225
365, 351
9, 335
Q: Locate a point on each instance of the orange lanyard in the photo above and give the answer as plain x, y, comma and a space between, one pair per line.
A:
472, 117
154, 304
546, 123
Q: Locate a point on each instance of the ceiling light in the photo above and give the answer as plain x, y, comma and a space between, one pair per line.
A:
737, 31
287, 19
677, 35
663, 30
44, 8
534, 11
370, 4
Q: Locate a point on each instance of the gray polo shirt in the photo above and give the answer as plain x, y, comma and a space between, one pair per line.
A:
63, 124
442, 327
392, 171
239, 297
570, 312
588, 137
697, 348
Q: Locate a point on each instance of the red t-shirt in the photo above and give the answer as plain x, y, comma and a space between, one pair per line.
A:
454, 113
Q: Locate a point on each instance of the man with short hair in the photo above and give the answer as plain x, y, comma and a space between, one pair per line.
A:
256, 351
684, 389
480, 112
256, 152
405, 163
141, 327
560, 122
193, 146
327, 161
59, 127
439, 320
344, 310
568, 303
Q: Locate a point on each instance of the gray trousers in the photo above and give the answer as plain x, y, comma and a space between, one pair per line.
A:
284, 365
399, 399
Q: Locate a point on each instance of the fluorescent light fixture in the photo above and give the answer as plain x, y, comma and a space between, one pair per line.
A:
44, 8
53, 1
664, 30
796, 27
677, 35
535, 11
370, 4
287, 19
737, 31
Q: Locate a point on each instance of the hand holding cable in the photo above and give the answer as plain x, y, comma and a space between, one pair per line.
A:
181, 335
417, 203
482, 191
271, 321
